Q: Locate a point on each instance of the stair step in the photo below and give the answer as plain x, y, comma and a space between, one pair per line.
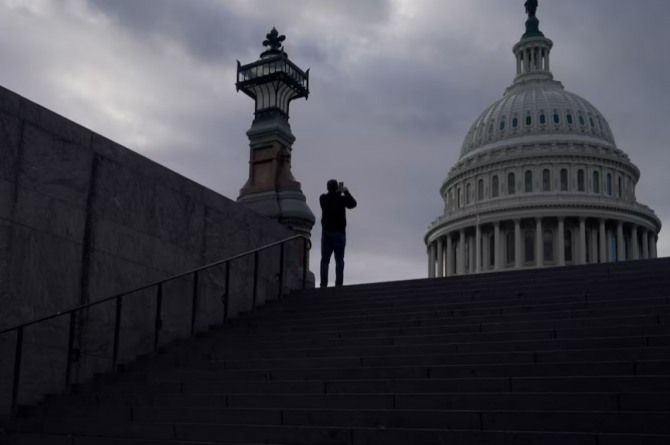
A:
49, 439
606, 383
642, 367
213, 424
367, 436
297, 341
420, 307
647, 402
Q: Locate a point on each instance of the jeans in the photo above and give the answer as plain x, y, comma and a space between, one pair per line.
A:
332, 242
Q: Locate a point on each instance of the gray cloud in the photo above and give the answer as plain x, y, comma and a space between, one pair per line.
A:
395, 86
207, 30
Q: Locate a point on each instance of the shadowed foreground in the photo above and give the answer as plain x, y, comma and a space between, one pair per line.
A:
573, 355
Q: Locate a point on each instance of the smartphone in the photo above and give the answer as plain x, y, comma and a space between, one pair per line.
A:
340, 186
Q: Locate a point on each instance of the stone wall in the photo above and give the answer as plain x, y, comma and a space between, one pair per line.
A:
83, 218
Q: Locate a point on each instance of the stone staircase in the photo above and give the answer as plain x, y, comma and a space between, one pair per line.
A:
574, 355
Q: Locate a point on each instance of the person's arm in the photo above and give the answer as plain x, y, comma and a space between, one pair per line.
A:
349, 201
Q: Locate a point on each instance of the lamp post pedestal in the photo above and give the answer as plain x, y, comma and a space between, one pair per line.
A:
273, 82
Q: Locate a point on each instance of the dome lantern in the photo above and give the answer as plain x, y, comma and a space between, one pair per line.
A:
532, 52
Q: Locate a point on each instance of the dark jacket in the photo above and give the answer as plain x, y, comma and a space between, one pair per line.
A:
333, 205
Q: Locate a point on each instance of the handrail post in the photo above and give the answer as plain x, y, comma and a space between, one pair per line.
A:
158, 323
70, 348
194, 308
117, 329
17, 369
281, 271
304, 263
226, 291
255, 288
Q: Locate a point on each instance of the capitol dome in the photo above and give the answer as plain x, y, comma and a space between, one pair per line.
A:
540, 182
541, 109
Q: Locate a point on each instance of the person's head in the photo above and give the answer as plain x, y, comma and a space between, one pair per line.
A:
332, 185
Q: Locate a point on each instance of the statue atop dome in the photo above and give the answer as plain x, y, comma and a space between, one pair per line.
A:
532, 24
531, 7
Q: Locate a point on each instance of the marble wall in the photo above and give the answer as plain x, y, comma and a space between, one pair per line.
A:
83, 218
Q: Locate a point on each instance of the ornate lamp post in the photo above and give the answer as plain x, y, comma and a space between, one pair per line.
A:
273, 82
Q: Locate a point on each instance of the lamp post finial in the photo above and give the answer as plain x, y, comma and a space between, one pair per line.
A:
274, 41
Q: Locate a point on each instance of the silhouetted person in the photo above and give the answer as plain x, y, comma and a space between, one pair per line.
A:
333, 228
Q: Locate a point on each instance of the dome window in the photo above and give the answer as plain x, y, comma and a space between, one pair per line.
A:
509, 241
515, 122
546, 180
543, 119
495, 187
528, 181
502, 125
593, 125
581, 120
612, 247
564, 180
480, 190
580, 180
490, 129
568, 246
596, 182
529, 120
548, 241
510, 184
492, 249
620, 188
608, 184
569, 119
557, 118
529, 246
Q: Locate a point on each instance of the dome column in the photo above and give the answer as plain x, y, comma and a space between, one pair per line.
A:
440, 258
620, 250
645, 244
652, 244
431, 260
471, 255
460, 263
546, 62
652, 247
478, 249
603, 241
594, 245
634, 243
450, 256
582, 240
561, 241
517, 243
539, 246
496, 245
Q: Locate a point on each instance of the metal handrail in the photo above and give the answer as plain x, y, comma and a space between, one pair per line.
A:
307, 244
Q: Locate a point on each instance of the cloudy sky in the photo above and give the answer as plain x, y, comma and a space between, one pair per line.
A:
395, 85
